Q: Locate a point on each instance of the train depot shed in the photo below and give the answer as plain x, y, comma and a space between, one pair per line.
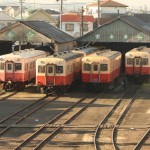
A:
122, 33
37, 32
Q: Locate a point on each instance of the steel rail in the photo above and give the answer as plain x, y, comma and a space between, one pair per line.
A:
106, 118
119, 120
66, 122
123, 115
29, 113
50, 122
8, 96
139, 144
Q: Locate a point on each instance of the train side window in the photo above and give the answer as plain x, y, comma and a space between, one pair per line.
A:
129, 61
95, 67
41, 69
59, 69
18, 66
50, 69
87, 67
103, 67
145, 61
9, 67
1, 66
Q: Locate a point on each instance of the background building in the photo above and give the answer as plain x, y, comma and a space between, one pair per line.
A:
72, 23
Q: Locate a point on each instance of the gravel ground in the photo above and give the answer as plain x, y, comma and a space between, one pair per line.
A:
81, 135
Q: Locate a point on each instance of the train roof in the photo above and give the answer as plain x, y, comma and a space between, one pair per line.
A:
87, 50
27, 53
66, 56
105, 53
141, 49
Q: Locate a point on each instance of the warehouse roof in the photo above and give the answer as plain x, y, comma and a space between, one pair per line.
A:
121, 29
34, 31
49, 31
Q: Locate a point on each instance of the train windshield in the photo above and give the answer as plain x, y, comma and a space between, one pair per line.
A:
41, 69
18, 66
87, 67
145, 61
103, 67
59, 69
129, 61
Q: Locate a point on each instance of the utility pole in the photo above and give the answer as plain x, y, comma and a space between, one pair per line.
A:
21, 2
61, 7
82, 20
98, 21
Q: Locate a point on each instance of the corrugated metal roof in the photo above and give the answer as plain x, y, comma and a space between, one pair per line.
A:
49, 31
141, 22
121, 29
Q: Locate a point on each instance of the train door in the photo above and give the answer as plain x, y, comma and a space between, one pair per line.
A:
95, 72
137, 65
50, 74
9, 70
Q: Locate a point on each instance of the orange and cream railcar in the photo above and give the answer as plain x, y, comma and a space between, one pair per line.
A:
101, 69
137, 63
18, 68
56, 73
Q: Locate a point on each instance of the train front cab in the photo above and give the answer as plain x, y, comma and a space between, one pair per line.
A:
11, 78
51, 79
95, 76
137, 69
55, 79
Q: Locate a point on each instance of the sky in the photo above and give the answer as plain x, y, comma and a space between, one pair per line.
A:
133, 4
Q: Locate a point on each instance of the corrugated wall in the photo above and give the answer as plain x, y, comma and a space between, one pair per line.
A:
117, 31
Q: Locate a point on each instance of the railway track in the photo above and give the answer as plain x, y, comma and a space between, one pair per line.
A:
2, 93
43, 135
22, 113
113, 119
10, 94
142, 140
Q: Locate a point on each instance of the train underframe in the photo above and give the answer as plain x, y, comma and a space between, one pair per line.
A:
137, 78
97, 86
9, 86
53, 90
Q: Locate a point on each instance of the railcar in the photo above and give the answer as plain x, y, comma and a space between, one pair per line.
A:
18, 68
55, 74
101, 69
137, 64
